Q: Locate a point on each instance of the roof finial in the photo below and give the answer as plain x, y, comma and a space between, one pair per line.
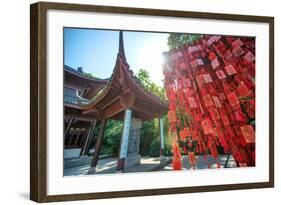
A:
121, 44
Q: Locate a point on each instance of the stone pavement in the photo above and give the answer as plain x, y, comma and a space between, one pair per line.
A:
202, 164
108, 165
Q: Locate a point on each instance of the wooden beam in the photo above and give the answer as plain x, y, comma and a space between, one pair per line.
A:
148, 108
110, 102
112, 110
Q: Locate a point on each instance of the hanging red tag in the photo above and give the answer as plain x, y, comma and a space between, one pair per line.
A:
224, 118
207, 100
217, 101
220, 74
240, 116
191, 158
249, 57
215, 63
248, 133
233, 99
238, 51
230, 70
172, 105
207, 78
212, 56
219, 165
242, 164
194, 63
197, 150
200, 62
192, 102
187, 132
200, 80
176, 157
176, 164
182, 66
172, 116
214, 113
194, 136
207, 126
182, 135
222, 96
188, 83
172, 95
228, 55
237, 43
243, 90
184, 149
189, 144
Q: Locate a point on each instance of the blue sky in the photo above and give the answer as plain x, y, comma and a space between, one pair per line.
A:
96, 51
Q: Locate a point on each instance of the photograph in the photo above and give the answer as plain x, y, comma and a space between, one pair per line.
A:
138, 102
143, 101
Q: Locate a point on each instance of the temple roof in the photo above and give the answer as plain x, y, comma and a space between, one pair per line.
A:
84, 75
124, 91
83, 81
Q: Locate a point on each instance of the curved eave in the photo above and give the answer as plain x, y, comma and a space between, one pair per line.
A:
122, 64
95, 100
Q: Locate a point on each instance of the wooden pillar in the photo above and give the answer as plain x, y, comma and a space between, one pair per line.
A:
70, 139
89, 137
161, 130
68, 126
77, 139
123, 150
97, 148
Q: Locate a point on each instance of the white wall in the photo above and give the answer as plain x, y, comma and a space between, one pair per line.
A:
70, 153
14, 100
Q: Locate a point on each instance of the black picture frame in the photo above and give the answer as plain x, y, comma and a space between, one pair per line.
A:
38, 103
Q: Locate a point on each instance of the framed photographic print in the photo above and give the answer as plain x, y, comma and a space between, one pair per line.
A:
135, 102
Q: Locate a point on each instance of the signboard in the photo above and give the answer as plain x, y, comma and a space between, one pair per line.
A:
125, 135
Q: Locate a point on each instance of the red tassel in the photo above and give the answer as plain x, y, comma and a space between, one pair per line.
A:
219, 166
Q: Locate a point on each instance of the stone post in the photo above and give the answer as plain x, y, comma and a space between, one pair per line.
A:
162, 141
124, 140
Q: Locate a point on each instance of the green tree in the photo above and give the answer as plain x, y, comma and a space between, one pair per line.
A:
150, 136
112, 136
176, 40
145, 80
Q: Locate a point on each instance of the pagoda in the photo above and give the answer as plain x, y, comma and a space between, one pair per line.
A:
124, 98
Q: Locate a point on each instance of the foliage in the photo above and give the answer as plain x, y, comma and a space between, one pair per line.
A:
149, 133
176, 40
150, 136
112, 136
145, 80
89, 75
